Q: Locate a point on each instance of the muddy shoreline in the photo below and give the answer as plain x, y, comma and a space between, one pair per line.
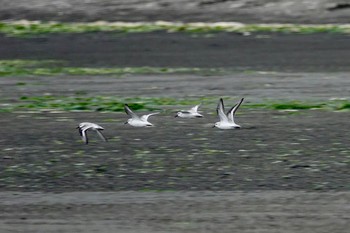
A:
104, 212
252, 11
284, 171
274, 150
257, 52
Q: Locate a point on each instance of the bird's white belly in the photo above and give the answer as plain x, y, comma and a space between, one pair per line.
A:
187, 115
138, 123
228, 126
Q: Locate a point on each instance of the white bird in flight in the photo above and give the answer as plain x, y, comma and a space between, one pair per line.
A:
137, 121
84, 126
192, 113
227, 119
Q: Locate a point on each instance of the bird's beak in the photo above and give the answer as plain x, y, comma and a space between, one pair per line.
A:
125, 122
213, 126
176, 115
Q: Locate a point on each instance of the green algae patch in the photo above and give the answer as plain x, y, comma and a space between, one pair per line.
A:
296, 105
116, 104
55, 68
32, 28
97, 103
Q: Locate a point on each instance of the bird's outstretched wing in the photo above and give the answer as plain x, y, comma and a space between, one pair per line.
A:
130, 112
84, 136
221, 111
101, 135
145, 117
195, 108
233, 110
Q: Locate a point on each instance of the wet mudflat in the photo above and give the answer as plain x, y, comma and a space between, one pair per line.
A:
289, 151
256, 52
268, 11
43, 152
266, 211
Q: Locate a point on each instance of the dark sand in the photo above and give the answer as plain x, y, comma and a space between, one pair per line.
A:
266, 52
264, 168
248, 11
126, 212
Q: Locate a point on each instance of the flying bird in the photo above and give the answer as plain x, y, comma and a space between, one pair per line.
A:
192, 113
137, 121
227, 119
85, 126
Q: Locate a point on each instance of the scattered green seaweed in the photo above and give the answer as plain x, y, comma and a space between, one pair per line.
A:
32, 28
54, 67
97, 103
297, 105
332, 105
116, 104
